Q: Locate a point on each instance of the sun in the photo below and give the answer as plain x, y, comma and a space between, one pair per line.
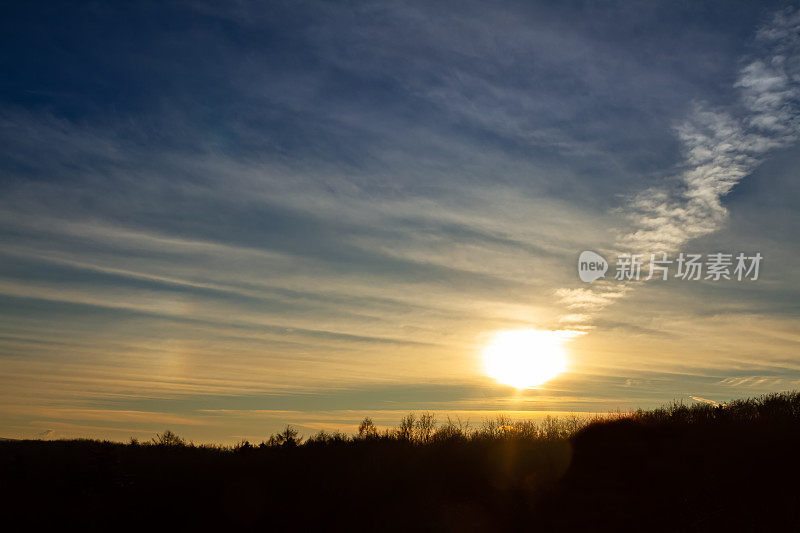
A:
525, 358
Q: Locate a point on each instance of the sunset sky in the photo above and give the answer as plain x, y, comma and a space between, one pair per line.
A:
222, 219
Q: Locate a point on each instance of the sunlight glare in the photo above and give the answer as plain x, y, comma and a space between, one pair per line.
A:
526, 358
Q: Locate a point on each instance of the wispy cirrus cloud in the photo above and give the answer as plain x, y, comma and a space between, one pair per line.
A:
705, 400
721, 147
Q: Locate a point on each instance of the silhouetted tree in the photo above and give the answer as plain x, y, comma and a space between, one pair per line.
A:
287, 438
168, 438
367, 429
406, 429
424, 428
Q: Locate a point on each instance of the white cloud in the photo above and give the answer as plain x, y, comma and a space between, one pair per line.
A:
720, 149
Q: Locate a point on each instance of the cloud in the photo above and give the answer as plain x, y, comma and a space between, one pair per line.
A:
720, 148
589, 299
705, 400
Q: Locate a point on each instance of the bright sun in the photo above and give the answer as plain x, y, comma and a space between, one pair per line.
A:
525, 358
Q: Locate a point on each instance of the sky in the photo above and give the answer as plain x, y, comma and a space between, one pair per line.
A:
220, 218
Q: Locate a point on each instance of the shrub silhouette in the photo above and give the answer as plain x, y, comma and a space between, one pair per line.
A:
323, 438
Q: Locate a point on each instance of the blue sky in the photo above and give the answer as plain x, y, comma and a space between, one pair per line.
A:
221, 218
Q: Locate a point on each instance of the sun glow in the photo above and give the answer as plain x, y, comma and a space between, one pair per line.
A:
526, 358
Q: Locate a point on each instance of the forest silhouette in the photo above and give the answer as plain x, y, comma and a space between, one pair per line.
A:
697, 467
